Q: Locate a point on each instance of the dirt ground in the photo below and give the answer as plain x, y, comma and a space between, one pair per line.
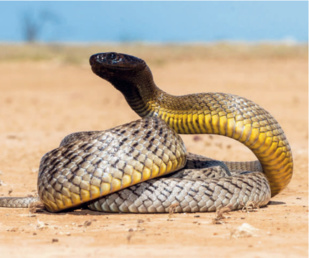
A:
42, 101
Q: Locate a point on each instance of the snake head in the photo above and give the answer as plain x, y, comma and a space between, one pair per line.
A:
110, 65
125, 72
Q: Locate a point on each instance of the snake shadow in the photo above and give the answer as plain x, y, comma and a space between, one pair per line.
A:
86, 211
81, 211
275, 203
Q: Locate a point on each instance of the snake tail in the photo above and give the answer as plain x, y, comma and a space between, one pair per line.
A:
18, 202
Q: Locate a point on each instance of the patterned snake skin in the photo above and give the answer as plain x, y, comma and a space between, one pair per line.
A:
106, 170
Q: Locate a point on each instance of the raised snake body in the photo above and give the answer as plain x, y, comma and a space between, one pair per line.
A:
92, 167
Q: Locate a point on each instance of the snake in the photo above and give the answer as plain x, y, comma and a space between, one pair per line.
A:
144, 167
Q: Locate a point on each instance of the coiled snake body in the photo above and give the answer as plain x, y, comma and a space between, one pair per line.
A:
92, 168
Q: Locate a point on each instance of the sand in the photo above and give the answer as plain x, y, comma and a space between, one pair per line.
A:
44, 100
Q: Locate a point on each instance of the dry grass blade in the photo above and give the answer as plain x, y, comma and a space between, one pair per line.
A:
250, 207
219, 214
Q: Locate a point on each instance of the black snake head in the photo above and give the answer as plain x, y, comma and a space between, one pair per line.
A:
124, 71
110, 64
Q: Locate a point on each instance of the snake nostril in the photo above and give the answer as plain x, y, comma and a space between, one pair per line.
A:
94, 59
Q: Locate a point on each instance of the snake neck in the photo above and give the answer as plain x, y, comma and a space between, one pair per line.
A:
141, 92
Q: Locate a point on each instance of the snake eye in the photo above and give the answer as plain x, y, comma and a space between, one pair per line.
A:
112, 56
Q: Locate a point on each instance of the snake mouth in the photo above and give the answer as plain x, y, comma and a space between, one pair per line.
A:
111, 61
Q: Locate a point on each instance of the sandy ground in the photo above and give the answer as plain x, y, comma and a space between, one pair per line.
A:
41, 102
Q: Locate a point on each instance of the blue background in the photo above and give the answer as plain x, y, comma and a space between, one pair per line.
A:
157, 21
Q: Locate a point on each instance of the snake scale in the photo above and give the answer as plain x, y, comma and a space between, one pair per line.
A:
143, 166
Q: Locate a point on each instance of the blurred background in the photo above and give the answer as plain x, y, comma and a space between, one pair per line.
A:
71, 31
156, 22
